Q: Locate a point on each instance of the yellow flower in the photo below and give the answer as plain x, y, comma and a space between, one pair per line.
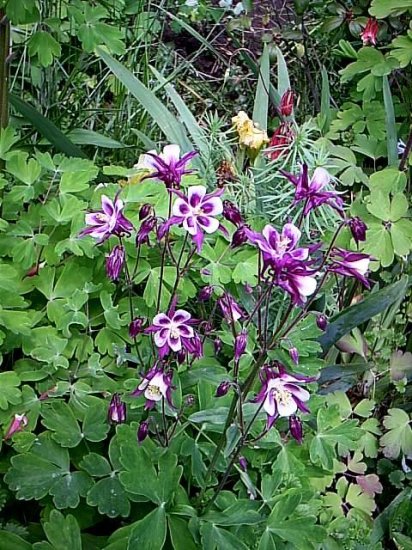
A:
249, 134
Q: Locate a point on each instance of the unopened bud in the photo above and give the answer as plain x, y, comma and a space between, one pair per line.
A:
223, 388
143, 431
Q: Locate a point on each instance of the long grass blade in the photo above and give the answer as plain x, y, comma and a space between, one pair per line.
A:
46, 128
261, 106
283, 74
391, 133
195, 131
325, 111
166, 121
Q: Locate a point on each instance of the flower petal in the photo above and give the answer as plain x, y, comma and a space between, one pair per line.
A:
180, 316
171, 153
107, 205
162, 320
208, 224
195, 195
212, 206
320, 178
292, 233
180, 207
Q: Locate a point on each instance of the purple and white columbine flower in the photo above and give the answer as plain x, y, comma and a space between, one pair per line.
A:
291, 266
281, 394
107, 221
173, 332
350, 264
196, 212
168, 166
231, 310
311, 190
155, 386
279, 248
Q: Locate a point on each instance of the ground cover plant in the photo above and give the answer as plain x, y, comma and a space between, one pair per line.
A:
204, 279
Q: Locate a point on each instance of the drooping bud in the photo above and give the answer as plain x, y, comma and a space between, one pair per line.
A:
114, 262
143, 431
222, 388
243, 463
322, 321
358, 229
294, 355
181, 356
205, 293
286, 103
145, 211
239, 237
232, 213
295, 427
230, 308
136, 327
117, 410
217, 345
19, 422
240, 344
189, 400
143, 234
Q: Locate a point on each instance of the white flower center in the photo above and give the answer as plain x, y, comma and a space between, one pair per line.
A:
153, 392
174, 331
102, 217
282, 396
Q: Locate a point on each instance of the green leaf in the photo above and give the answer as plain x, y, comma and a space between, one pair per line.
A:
63, 532
215, 538
95, 465
391, 132
95, 425
402, 49
399, 435
68, 490
156, 109
150, 532
110, 497
9, 393
11, 541
46, 128
59, 418
141, 478
42, 44
35, 473
27, 171
348, 319
180, 535
383, 8
261, 104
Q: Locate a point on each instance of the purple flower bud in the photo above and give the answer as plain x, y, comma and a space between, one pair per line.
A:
189, 400
294, 355
295, 427
114, 262
322, 321
136, 327
205, 293
232, 213
358, 229
18, 422
205, 271
243, 463
217, 345
117, 410
240, 344
197, 347
145, 211
248, 288
181, 356
143, 431
222, 388
239, 237
143, 234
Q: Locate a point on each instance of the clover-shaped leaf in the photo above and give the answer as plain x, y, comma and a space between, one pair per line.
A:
399, 435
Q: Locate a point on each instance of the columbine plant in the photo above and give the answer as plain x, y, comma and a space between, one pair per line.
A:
244, 330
